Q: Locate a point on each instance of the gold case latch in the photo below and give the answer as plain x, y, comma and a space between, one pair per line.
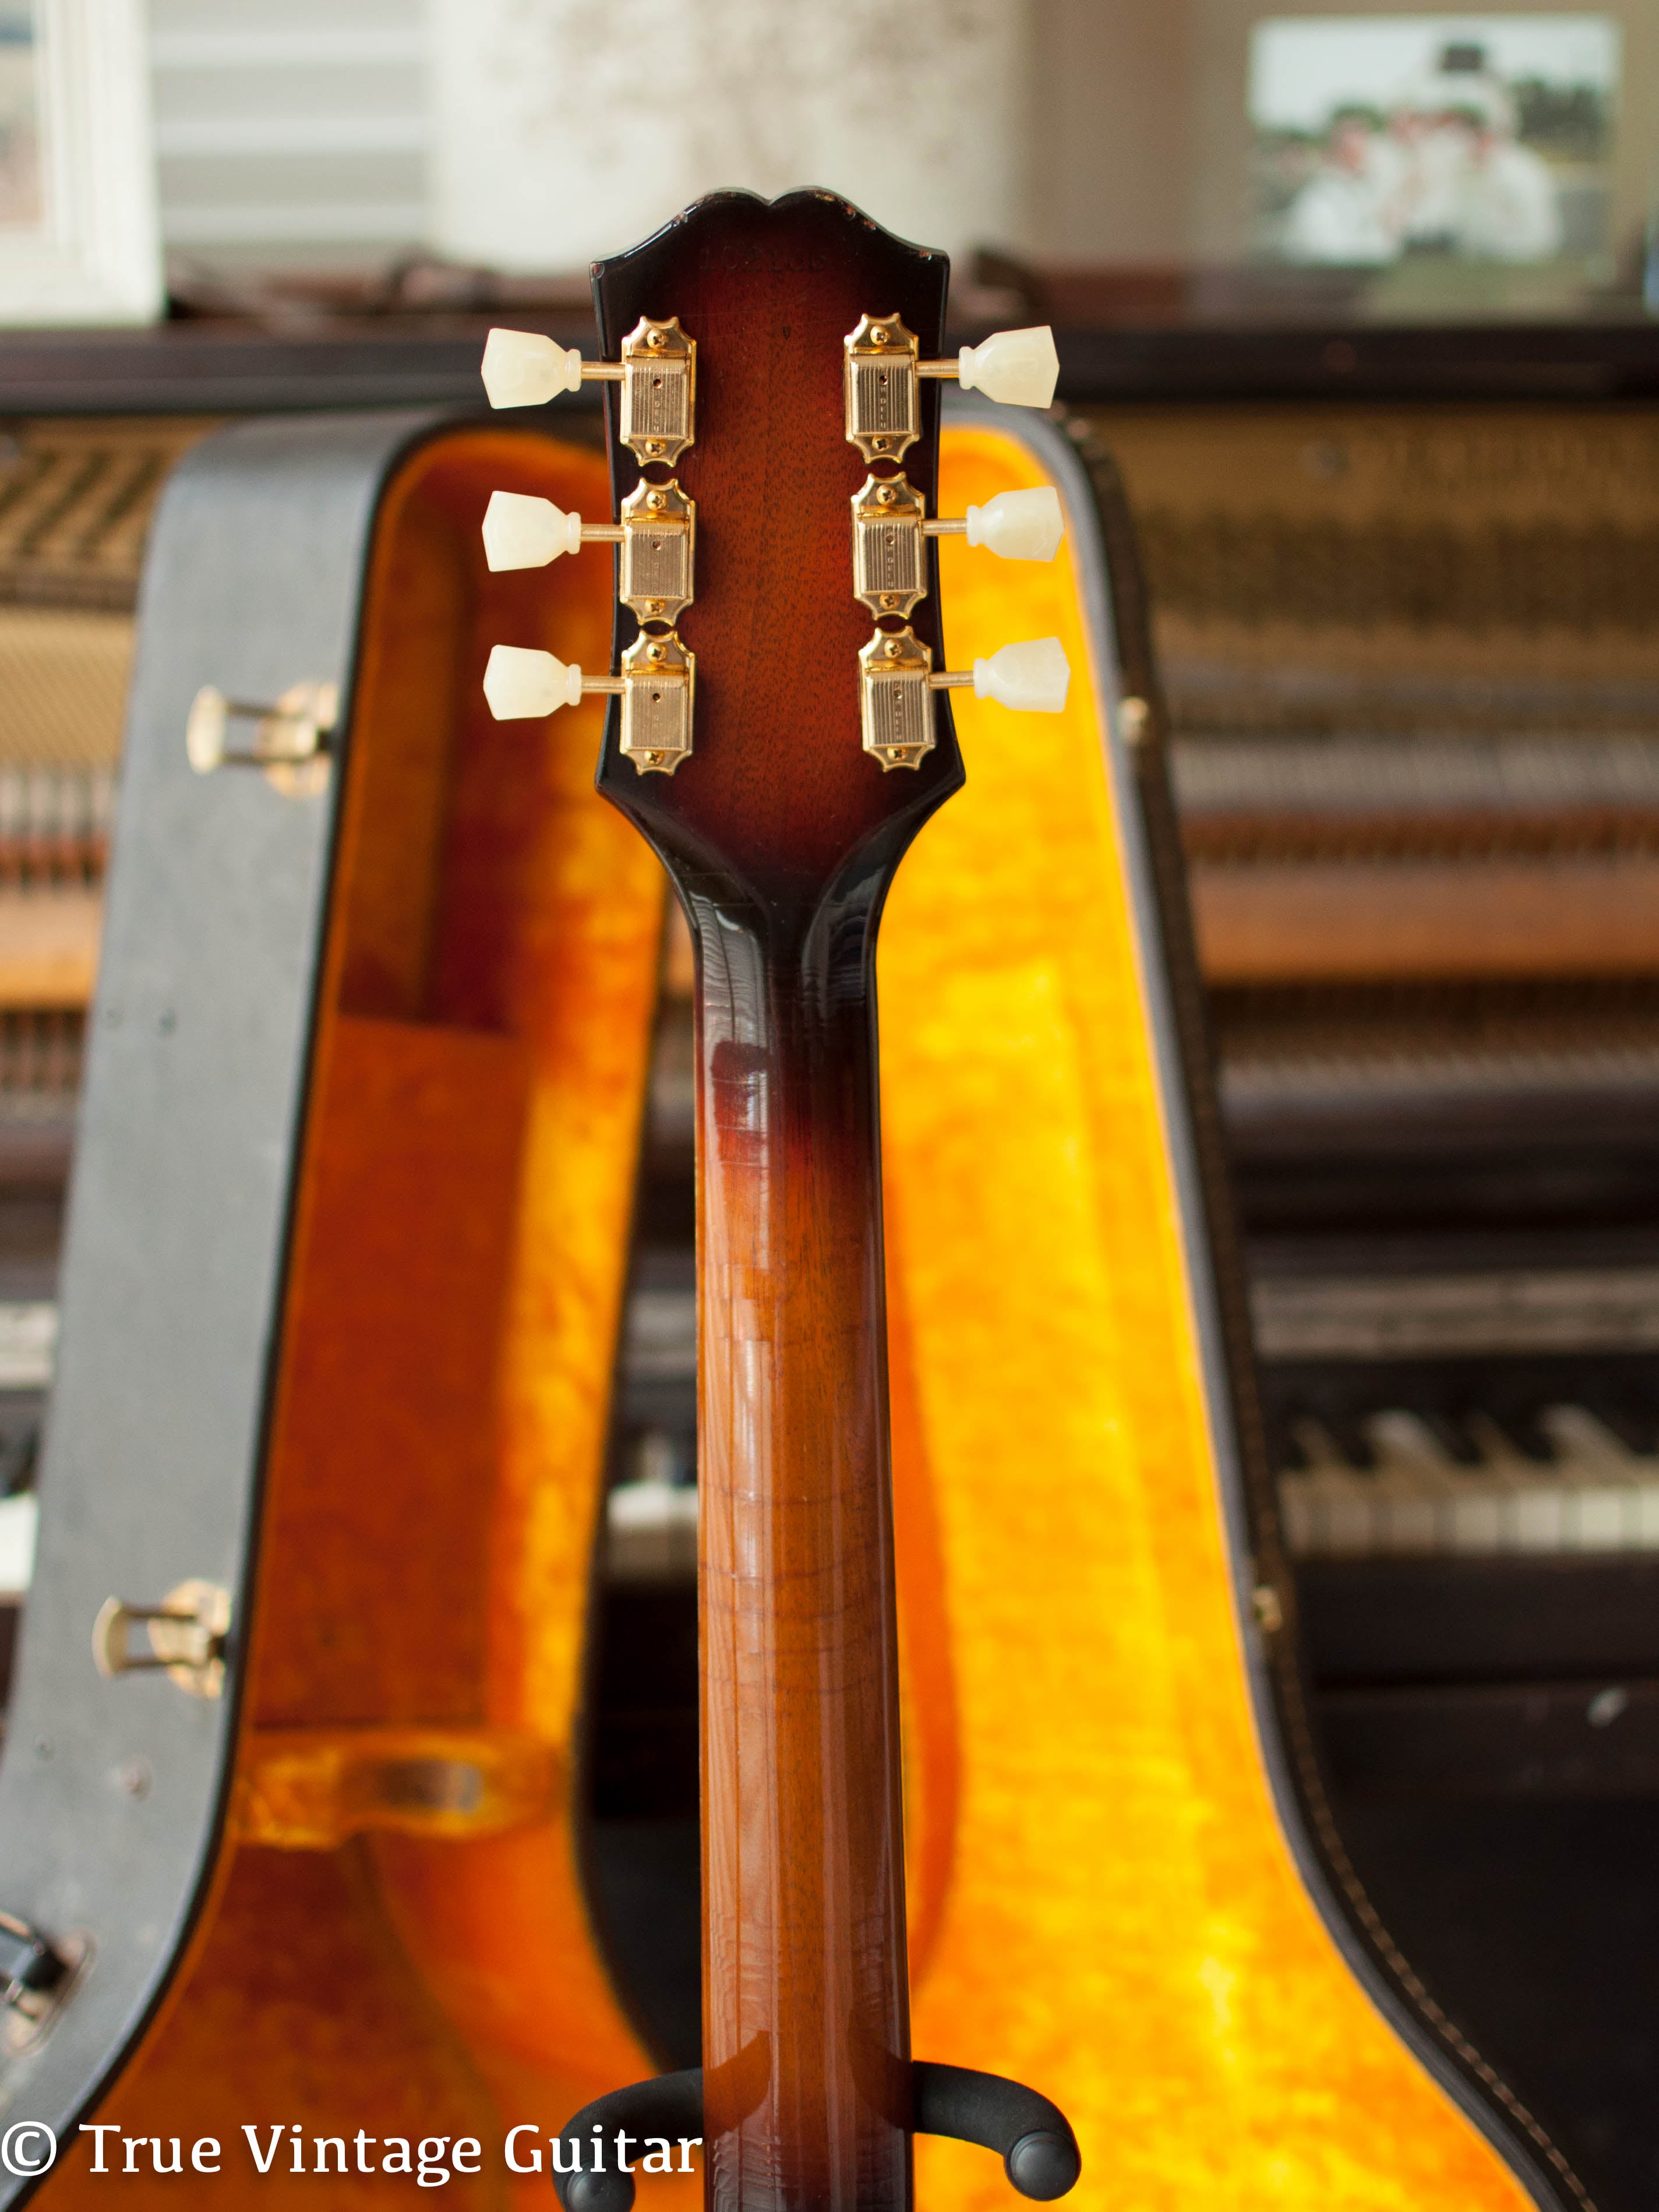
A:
186, 1634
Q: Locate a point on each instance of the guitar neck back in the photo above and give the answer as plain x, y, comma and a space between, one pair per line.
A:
781, 834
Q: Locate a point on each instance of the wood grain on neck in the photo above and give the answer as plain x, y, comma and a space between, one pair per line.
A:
805, 1998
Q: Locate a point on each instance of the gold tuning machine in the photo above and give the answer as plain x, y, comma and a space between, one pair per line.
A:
896, 679
657, 534
889, 562
656, 528
658, 373
883, 367
889, 525
658, 676
656, 686
894, 697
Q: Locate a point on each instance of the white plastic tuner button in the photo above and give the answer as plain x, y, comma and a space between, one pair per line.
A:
521, 368
1032, 677
523, 531
1019, 526
520, 682
1020, 368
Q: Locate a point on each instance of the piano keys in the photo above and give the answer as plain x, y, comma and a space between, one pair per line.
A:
1592, 1495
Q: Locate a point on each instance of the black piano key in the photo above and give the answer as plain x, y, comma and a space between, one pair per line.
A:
1621, 1409
1348, 1432
1283, 1447
1449, 1433
1525, 1431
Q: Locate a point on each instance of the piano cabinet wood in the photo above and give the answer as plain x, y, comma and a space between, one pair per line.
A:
1495, 1678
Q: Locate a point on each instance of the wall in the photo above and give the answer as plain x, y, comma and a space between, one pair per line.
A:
567, 128
1111, 130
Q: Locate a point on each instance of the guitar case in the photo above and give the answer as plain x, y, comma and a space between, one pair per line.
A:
112, 1793
344, 1261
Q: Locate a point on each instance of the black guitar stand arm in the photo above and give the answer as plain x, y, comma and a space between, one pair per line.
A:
1039, 2151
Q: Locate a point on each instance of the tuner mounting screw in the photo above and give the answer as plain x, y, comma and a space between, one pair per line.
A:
653, 338
653, 500
885, 497
653, 653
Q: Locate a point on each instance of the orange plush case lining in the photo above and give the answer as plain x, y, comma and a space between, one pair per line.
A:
1101, 1901
437, 1445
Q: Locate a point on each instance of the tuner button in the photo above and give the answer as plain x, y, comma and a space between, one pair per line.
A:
521, 368
520, 682
1018, 526
1031, 677
522, 531
1020, 368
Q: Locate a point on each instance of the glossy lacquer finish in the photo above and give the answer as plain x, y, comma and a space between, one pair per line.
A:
781, 836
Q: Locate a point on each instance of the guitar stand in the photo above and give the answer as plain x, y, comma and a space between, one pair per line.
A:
1039, 2151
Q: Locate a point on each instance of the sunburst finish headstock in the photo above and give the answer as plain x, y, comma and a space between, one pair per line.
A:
774, 418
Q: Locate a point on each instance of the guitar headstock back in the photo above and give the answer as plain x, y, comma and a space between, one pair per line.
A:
777, 787
775, 456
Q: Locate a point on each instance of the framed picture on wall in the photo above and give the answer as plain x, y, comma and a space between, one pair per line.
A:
79, 235
1383, 138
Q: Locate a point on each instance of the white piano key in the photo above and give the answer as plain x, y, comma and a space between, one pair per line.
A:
1340, 1501
651, 1532
1539, 1519
1477, 1515
1644, 1512
1297, 1516
1600, 1478
1596, 1511
1411, 1483
1532, 1502
1596, 1496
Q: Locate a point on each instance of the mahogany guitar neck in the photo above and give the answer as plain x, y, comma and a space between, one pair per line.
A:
804, 1906
782, 836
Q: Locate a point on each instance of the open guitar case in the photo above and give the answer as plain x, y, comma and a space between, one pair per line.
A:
113, 1793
